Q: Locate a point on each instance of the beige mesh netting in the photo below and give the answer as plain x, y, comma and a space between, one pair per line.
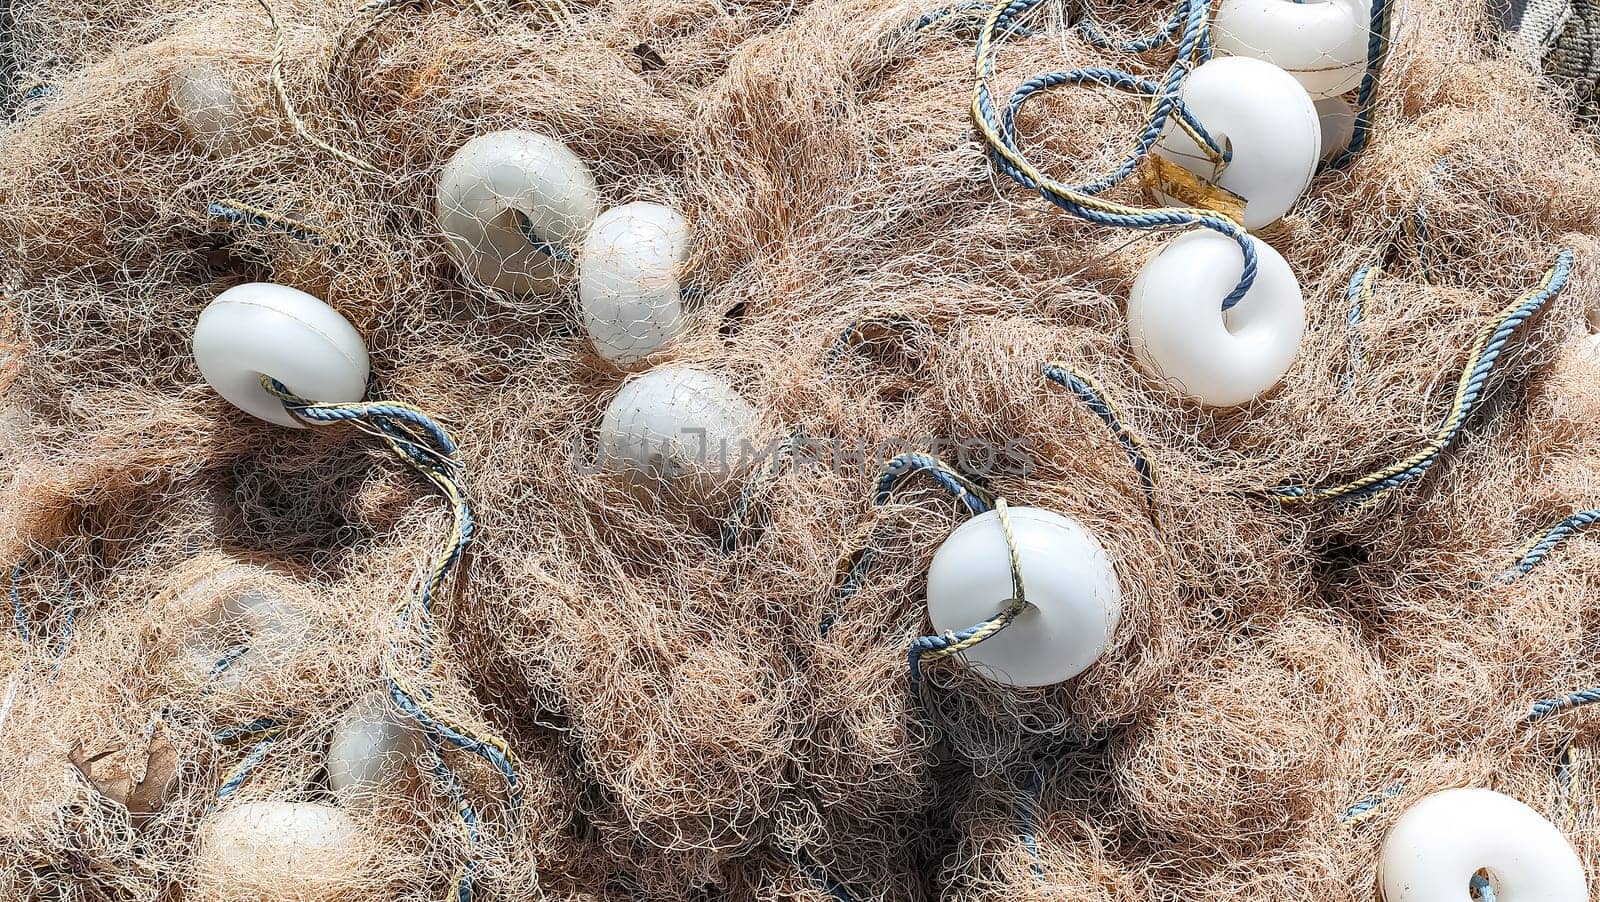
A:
701, 684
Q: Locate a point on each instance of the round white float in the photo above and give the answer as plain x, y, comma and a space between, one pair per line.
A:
676, 420
628, 280
250, 613
211, 106
1269, 122
1179, 331
271, 851
500, 187
1337, 119
1075, 600
1434, 849
1322, 43
373, 747
264, 329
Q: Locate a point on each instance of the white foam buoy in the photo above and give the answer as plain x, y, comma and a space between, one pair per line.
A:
676, 421
511, 203
629, 280
1179, 331
248, 618
211, 106
1435, 848
1338, 121
280, 851
1322, 43
1265, 118
263, 329
373, 747
1075, 600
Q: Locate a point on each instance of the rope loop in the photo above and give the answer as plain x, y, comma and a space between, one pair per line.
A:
998, 131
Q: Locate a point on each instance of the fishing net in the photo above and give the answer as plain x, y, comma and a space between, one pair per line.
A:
1336, 600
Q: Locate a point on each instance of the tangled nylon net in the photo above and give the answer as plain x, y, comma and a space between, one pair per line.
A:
1286, 677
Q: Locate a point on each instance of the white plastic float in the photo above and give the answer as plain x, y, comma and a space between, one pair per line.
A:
676, 421
263, 329
1179, 331
499, 189
1435, 848
629, 281
1075, 601
300, 851
1321, 43
1338, 121
212, 107
249, 613
1263, 115
373, 748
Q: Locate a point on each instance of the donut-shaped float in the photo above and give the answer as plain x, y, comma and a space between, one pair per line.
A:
1322, 43
1075, 602
213, 108
513, 206
1180, 332
1265, 118
1435, 848
263, 329
676, 421
629, 281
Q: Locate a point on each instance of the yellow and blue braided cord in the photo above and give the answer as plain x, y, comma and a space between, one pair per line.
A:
1367, 93
240, 213
425, 446
999, 132
1160, 37
962, 17
1541, 545
894, 473
1094, 396
1367, 808
1486, 350
20, 619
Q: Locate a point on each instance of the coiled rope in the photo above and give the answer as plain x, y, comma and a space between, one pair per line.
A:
998, 130
894, 473
1485, 351
425, 447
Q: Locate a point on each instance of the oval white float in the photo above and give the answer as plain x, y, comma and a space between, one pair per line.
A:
501, 187
1322, 43
629, 280
1337, 119
272, 851
249, 620
1076, 602
1179, 331
212, 107
1263, 115
676, 420
264, 329
373, 747
1434, 849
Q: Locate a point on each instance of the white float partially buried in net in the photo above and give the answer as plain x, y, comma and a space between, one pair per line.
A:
1180, 332
1322, 43
301, 851
1435, 848
1338, 120
514, 205
1075, 601
629, 280
1268, 122
263, 329
677, 421
250, 622
373, 749
213, 107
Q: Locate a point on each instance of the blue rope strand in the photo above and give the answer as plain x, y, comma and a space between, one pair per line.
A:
1547, 542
